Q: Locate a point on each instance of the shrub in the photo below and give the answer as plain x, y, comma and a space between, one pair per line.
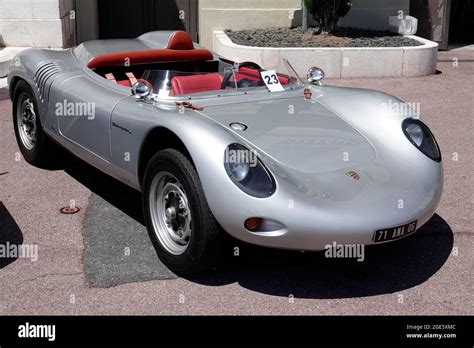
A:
328, 12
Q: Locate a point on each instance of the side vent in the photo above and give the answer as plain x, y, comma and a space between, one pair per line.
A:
43, 78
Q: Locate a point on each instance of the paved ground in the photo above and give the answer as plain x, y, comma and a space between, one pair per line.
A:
428, 273
117, 247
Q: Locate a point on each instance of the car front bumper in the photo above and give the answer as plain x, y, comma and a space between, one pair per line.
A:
311, 221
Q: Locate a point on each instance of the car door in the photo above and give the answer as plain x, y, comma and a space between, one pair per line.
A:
83, 109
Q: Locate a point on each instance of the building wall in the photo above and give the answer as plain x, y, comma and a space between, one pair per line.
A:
245, 14
48, 23
37, 23
253, 14
433, 19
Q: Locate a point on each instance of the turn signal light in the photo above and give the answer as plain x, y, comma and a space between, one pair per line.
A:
253, 224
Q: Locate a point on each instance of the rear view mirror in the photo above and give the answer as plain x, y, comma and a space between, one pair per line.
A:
315, 76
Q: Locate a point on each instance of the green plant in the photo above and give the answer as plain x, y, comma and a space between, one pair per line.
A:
328, 12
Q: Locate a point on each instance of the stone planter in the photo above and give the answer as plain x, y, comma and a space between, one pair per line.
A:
338, 62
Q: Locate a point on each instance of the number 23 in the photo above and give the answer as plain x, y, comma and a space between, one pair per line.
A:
272, 79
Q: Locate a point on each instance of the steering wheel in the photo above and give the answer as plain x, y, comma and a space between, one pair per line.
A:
244, 83
228, 75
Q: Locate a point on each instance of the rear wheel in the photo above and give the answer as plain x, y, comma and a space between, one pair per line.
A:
184, 232
34, 144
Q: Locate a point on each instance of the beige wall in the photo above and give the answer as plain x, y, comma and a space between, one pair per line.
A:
36, 23
244, 14
252, 14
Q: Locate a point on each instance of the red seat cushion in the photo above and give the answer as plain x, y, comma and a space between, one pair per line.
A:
196, 83
284, 80
247, 73
250, 72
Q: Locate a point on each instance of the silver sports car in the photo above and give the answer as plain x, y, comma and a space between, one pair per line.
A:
217, 146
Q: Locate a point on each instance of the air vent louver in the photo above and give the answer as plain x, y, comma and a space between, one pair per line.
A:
44, 74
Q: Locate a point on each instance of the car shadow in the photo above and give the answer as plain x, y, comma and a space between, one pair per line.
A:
10, 234
121, 196
387, 268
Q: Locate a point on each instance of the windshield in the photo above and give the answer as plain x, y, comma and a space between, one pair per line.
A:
229, 79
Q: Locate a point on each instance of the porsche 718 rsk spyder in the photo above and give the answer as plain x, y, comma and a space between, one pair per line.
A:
217, 146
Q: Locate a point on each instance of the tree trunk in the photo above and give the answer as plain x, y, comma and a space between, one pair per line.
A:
305, 16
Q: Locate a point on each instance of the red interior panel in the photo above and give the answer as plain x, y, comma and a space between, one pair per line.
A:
180, 47
148, 56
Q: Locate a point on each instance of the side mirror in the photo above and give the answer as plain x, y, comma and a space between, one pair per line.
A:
142, 89
315, 76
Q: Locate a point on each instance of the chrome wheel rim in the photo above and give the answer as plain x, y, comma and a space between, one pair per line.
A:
170, 213
26, 123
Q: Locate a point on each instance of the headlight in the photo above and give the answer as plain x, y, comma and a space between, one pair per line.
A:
420, 136
239, 170
247, 172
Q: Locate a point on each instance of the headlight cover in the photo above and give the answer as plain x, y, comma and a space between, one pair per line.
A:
421, 137
247, 172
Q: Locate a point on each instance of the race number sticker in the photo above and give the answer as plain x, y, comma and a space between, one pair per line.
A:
270, 78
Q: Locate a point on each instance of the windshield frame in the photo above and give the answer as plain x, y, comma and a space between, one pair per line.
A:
214, 94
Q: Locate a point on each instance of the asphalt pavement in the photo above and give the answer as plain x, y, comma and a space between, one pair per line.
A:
100, 261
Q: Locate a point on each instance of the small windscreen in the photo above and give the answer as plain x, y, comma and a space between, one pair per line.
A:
228, 79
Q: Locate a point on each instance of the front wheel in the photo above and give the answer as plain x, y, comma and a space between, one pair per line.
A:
185, 234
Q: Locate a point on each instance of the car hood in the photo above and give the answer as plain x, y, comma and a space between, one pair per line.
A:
298, 133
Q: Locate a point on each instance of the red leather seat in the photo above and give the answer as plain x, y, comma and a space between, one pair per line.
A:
196, 83
284, 80
248, 73
254, 75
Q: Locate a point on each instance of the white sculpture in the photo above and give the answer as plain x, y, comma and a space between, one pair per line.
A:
404, 25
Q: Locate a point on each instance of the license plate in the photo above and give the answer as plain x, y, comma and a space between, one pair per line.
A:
393, 233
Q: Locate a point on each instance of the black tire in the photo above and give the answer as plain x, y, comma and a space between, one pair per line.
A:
44, 150
204, 246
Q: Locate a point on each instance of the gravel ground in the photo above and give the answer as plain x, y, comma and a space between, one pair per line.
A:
297, 37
